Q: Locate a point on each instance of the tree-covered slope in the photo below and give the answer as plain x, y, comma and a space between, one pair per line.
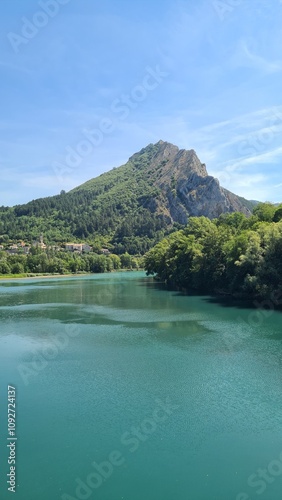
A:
129, 208
232, 254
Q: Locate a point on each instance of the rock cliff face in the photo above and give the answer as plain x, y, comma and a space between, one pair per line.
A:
186, 188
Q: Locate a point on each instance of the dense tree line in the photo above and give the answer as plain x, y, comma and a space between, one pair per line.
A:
232, 254
50, 262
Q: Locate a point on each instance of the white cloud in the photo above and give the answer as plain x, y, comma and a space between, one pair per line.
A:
270, 157
259, 62
247, 56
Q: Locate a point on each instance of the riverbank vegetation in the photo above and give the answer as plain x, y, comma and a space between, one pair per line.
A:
51, 262
232, 254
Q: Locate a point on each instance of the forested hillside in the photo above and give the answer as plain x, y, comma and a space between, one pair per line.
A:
232, 254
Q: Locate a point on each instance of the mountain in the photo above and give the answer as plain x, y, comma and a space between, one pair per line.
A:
128, 208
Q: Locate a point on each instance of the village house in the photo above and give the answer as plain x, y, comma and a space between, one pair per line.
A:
78, 247
23, 248
13, 249
19, 248
40, 243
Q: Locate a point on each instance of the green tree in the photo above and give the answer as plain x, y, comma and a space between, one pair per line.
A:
265, 211
17, 268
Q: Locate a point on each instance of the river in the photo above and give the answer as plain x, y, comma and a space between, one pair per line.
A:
126, 391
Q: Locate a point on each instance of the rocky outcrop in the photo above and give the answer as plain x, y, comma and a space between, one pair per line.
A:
187, 189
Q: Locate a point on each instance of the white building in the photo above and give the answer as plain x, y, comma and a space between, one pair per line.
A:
78, 247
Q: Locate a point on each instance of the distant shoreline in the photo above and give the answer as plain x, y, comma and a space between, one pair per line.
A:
21, 277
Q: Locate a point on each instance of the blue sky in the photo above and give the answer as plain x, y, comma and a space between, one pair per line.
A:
86, 84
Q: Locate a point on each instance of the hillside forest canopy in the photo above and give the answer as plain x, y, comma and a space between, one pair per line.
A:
233, 255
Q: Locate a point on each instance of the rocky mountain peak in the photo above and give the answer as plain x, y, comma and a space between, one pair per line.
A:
172, 160
187, 189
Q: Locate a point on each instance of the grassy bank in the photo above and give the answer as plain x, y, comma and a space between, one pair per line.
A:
58, 275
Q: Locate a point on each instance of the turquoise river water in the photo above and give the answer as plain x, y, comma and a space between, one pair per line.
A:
125, 391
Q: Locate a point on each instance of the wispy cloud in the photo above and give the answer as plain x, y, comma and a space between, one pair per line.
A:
250, 58
271, 157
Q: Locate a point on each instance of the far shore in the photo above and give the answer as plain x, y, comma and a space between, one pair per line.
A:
21, 277
77, 275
